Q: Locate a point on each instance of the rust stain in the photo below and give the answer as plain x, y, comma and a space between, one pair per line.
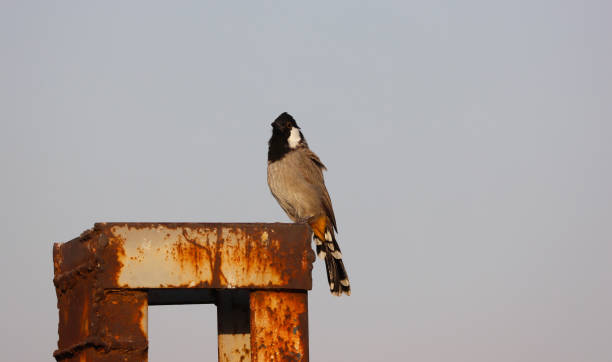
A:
211, 255
122, 318
118, 323
279, 326
101, 281
110, 252
234, 347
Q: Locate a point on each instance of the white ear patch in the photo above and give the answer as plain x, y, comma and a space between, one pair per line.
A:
294, 137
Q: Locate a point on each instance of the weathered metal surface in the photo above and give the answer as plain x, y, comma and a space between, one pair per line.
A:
73, 264
279, 326
234, 325
123, 320
208, 255
107, 326
106, 278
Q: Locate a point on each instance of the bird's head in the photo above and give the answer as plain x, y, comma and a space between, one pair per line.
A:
284, 127
284, 123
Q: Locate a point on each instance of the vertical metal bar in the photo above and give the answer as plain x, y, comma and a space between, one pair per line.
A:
112, 328
233, 325
279, 326
123, 324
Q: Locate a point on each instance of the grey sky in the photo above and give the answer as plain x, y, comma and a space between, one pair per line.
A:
468, 148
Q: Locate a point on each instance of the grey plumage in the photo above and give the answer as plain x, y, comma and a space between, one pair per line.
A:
295, 178
296, 181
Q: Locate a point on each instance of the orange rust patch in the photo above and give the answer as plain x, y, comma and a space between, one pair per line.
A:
279, 326
102, 280
212, 256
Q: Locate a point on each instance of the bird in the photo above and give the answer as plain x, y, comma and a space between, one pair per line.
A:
295, 178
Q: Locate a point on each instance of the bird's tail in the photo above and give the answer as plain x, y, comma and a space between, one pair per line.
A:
328, 250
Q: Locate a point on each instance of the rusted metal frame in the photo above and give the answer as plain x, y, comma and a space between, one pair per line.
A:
279, 325
233, 325
75, 294
109, 322
96, 323
262, 325
208, 255
91, 272
127, 335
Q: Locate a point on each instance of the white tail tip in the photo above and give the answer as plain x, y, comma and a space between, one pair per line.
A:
328, 236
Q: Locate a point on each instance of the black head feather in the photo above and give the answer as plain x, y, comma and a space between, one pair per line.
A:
284, 122
278, 145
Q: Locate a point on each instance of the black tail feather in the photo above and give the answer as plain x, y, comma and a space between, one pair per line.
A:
336, 272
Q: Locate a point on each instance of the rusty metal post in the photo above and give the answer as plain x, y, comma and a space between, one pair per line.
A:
96, 324
122, 327
233, 326
256, 274
279, 326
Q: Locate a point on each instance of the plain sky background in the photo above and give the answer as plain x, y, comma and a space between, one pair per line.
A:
467, 142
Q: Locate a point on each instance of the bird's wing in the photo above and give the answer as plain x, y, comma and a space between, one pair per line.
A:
312, 173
